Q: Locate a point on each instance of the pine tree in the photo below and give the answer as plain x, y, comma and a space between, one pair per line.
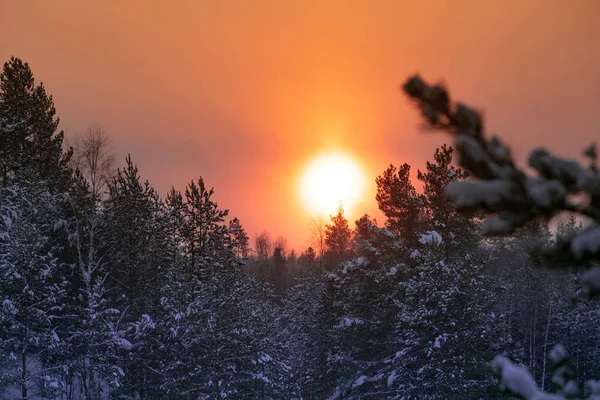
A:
455, 228
306, 324
398, 200
204, 302
33, 292
338, 239
199, 223
133, 238
95, 328
136, 248
278, 269
29, 140
307, 261
239, 238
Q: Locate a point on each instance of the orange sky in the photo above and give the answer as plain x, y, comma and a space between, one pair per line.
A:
246, 92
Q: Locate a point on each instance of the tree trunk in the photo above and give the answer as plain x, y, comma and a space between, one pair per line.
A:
535, 317
531, 340
24, 372
546, 345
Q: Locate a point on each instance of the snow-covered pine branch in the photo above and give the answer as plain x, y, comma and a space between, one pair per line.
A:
508, 196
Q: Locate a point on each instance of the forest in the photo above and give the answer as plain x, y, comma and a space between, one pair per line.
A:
109, 291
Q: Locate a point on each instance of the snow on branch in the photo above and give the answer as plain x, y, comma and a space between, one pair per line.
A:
517, 380
508, 196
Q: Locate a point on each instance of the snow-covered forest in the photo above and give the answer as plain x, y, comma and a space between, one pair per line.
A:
109, 291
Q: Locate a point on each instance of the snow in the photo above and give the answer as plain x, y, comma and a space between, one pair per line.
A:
400, 353
391, 378
490, 195
546, 193
471, 147
60, 224
499, 152
496, 226
360, 381
362, 262
431, 237
593, 388
586, 242
123, 343
7, 222
568, 172
265, 358
333, 277
591, 280
220, 329
347, 322
519, 381
558, 354
261, 377
9, 307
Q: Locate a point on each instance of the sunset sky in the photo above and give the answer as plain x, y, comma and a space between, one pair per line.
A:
246, 93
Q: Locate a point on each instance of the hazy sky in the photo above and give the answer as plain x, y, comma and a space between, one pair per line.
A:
245, 93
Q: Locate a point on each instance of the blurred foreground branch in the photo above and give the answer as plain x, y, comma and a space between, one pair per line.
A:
510, 198
505, 193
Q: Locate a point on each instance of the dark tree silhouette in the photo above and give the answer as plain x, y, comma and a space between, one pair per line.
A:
29, 141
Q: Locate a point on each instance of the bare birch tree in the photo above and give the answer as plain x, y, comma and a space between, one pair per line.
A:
318, 228
93, 156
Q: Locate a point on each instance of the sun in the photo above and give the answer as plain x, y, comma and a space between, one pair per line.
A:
331, 180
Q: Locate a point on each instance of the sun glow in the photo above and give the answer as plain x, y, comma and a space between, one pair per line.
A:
330, 180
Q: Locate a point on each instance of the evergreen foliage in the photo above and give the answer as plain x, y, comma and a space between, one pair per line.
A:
108, 291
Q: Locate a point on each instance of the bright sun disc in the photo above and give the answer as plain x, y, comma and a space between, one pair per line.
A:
330, 180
